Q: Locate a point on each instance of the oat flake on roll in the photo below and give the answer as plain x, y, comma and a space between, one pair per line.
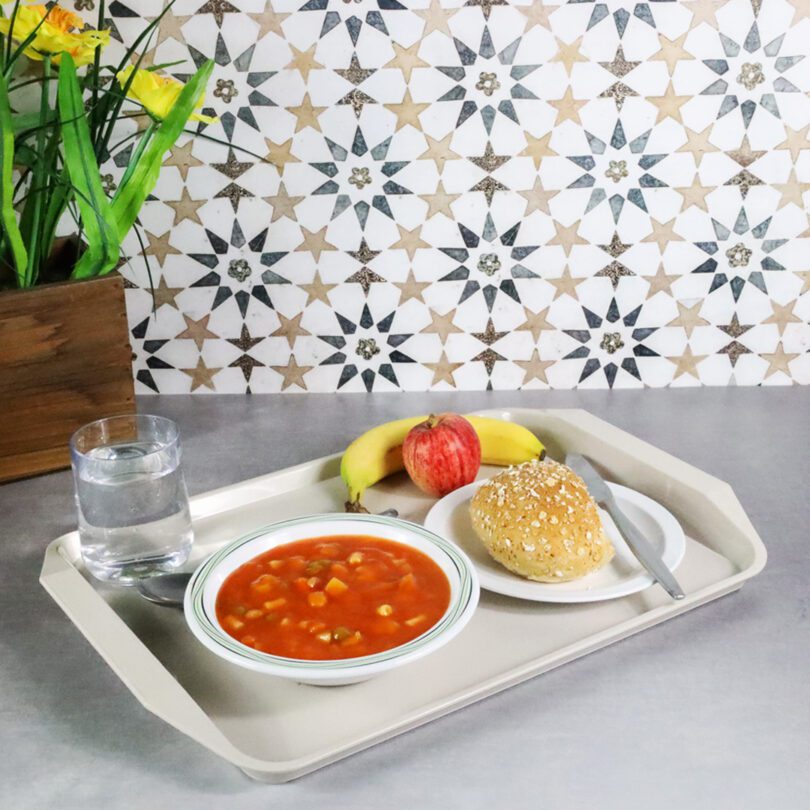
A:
538, 520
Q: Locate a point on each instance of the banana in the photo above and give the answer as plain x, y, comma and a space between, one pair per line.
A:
378, 452
373, 456
504, 443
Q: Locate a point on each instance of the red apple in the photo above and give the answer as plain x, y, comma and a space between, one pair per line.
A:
442, 454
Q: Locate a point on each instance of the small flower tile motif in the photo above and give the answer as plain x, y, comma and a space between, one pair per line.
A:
477, 194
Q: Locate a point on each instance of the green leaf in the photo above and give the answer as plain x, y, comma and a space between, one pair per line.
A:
24, 155
29, 122
11, 230
80, 160
134, 190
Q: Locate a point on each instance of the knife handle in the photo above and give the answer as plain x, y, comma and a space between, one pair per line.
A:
645, 553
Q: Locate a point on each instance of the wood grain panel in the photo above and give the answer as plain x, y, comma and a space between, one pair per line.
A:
65, 360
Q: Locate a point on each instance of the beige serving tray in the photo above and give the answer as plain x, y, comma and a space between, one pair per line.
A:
276, 730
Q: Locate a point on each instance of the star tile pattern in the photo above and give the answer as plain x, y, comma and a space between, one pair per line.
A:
477, 194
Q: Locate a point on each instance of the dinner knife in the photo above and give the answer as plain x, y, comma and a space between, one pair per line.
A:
638, 544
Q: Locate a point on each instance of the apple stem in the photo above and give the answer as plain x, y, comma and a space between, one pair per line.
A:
430, 422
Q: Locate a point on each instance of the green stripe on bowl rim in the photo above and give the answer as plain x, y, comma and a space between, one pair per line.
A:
451, 616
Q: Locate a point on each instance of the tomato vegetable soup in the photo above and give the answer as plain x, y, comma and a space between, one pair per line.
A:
333, 597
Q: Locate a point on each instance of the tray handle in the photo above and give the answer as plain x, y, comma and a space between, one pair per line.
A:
129, 657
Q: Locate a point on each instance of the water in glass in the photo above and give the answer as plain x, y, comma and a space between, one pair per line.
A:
133, 510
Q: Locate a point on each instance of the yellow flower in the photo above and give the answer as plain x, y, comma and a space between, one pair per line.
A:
158, 94
55, 34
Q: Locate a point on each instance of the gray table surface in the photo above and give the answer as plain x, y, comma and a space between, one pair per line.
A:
709, 710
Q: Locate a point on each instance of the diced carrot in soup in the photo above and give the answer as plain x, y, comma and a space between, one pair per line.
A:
344, 596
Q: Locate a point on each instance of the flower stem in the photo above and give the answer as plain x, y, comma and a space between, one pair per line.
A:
142, 144
34, 240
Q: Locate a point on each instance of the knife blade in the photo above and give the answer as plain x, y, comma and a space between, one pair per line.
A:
639, 545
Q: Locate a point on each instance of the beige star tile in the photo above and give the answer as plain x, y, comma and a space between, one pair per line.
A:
687, 363
303, 61
791, 191
201, 375
283, 204
704, 11
269, 21
315, 242
663, 233
537, 197
197, 331
537, 148
778, 361
671, 51
568, 107
660, 282
804, 276
443, 370
147, 61
569, 54
280, 154
411, 288
534, 368
436, 18
292, 374
442, 325
688, 318
439, 151
317, 290
409, 241
186, 208
306, 115
407, 112
536, 14
439, 202
567, 236
406, 59
164, 294
669, 105
160, 247
796, 139
694, 195
698, 143
535, 323
566, 284
181, 157
801, 11
782, 315
290, 328
170, 27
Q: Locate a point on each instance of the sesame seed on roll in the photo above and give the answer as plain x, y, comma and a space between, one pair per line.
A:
539, 520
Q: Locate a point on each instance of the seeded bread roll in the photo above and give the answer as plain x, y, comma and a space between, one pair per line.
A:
539, 521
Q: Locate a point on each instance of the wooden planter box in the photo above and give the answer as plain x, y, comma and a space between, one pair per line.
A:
65, 360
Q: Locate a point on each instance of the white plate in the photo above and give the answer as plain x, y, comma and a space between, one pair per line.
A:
624, 575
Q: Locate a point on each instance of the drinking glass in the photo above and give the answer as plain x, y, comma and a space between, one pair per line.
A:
131, 497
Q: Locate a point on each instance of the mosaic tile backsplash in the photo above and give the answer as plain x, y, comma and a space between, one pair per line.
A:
479, 194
